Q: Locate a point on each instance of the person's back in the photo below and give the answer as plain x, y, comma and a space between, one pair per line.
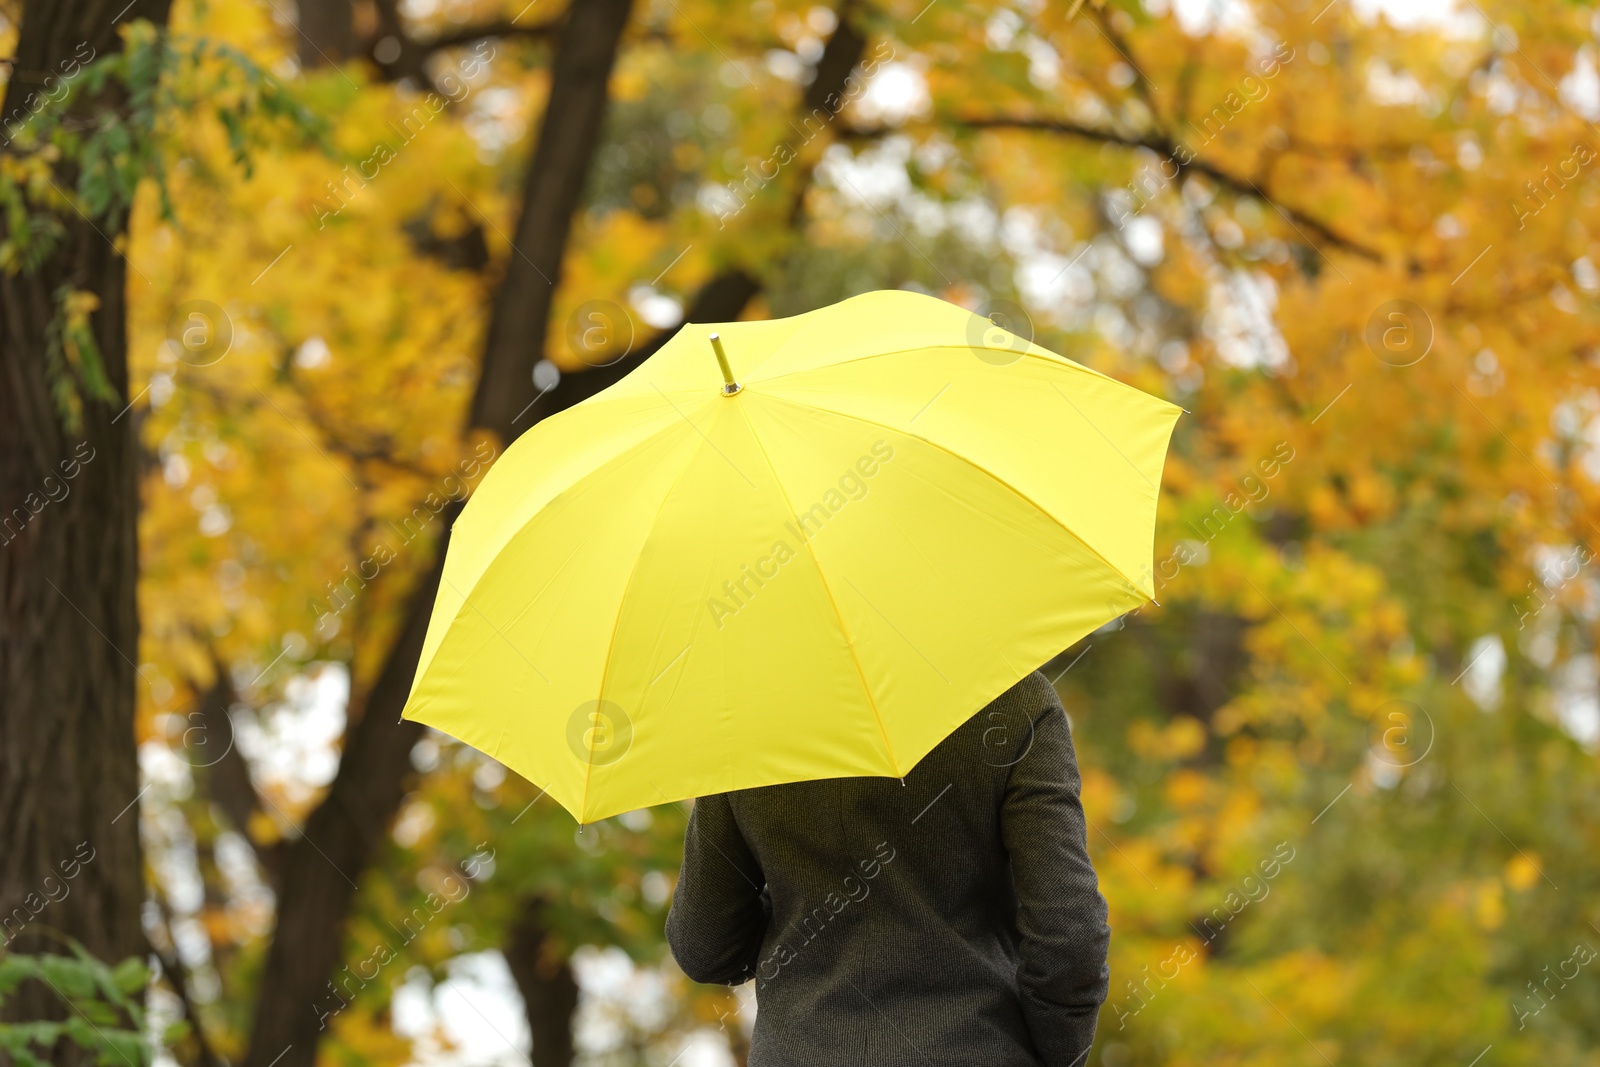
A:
951, 919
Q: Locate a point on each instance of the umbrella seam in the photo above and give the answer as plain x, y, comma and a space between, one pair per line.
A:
633, 569
849, 642
1045, 355
977, 467
623, 456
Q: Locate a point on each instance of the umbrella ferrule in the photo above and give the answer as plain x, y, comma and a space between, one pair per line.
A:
729, 386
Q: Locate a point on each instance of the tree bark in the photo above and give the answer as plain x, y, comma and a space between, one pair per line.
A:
69, 633
838, 60
551, 195
326, 31
216, 758
543, 973
317, 874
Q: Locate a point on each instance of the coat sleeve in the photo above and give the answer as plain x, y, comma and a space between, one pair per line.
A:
720, 908
1061, 916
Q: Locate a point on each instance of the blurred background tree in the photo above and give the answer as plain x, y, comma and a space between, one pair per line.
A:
1341, 781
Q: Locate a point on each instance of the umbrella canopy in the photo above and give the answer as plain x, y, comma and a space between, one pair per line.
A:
683, 586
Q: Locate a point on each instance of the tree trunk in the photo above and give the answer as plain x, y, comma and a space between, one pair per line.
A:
317, 874
551, 195
543, 972
69, 633
326, 32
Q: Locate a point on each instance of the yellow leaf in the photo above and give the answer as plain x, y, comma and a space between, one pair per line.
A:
1490, 906
1521, 872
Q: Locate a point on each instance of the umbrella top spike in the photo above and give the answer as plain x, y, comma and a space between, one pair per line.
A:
729, 386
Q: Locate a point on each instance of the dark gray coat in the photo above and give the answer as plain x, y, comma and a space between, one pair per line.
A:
953, 919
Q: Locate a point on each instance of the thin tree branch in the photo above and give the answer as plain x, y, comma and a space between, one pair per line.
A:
227, 773
1141, 84
538, 31
1159, 144
178, 979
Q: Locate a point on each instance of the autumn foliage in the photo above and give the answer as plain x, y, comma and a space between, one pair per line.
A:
1341, 780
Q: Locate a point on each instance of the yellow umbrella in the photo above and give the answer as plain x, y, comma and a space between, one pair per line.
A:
815, 560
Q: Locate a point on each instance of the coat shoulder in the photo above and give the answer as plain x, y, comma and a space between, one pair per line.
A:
1032, 696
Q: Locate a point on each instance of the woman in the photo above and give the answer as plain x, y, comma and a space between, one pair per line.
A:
949, 918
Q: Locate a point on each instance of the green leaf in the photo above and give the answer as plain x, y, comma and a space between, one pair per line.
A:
124, 1047
14, 970
67, 976
131, 975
